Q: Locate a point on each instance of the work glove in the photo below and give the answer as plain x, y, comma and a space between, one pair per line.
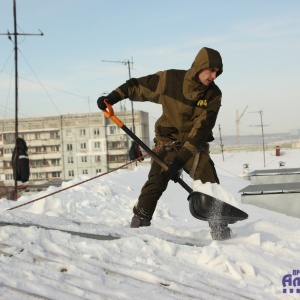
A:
174, 169
113, 98
177, 164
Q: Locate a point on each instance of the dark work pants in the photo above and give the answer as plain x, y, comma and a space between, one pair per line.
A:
157, 181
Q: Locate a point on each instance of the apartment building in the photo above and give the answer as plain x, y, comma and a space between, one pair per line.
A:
64, 147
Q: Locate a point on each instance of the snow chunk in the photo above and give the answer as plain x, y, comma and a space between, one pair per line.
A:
217, 191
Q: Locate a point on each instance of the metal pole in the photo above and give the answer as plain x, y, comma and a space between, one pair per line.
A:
221, 142
262, 131
263, 137
16, 94
132, 111
63, 147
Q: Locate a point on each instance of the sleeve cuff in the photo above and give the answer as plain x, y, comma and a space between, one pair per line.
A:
114, 97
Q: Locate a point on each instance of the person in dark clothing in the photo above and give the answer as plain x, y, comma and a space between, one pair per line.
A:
190, 104
20, 161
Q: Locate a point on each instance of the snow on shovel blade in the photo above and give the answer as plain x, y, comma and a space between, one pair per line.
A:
205, 207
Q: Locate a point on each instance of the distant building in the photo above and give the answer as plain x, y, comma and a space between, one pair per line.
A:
295, 132
63, 147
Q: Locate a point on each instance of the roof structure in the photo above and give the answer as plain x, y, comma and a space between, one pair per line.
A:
291, 187
283, 171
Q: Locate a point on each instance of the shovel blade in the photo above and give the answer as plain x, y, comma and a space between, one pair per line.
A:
205, 207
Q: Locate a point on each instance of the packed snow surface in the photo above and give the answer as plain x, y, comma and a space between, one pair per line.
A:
174, 258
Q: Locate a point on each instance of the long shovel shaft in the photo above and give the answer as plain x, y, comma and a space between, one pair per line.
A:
145, 147
154, 156
110, 114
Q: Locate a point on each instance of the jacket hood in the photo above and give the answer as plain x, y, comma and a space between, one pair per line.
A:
206, 58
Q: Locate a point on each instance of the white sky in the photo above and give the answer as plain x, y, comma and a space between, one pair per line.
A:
62, 72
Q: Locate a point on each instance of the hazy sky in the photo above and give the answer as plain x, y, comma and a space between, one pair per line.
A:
63, 72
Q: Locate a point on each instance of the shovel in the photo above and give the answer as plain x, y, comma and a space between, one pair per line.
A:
202, 206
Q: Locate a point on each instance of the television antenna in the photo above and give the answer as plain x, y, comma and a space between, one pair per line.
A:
130, 65
237, 122
262, 132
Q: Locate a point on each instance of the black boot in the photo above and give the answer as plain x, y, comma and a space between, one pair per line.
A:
137, 222
219, 230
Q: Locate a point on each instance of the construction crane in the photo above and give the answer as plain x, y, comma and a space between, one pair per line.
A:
237, 122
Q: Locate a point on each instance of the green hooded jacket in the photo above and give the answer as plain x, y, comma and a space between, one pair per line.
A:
189, 109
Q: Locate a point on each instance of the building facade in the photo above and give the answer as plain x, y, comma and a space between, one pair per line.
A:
64, 147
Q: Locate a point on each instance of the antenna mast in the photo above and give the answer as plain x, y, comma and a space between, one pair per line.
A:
128, 63
262, 133
222, 145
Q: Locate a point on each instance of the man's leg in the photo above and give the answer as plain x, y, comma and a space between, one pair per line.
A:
206, 172
219, 230
151, 192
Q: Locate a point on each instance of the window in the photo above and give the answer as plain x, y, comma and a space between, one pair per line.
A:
39, 149
55, 162
118, 144
116, 158
84, 171
37, 136
97, 159
96, 131
71, 173
37, 163
54, 135
9, 137
8, 151
54, 148
55, 174
38, 175
69, 147
84, 159
97, 145
82, 132
7, 164
83, 146
70, 160
98, 171
112, 129
8, 176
